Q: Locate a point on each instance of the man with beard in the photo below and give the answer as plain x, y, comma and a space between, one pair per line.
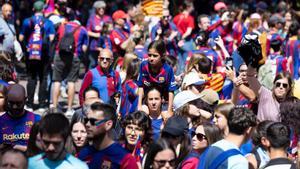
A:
54, 131
104, 151
16, 123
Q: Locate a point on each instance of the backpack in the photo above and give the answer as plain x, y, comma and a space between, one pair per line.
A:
39, 42
66, 45
218, 160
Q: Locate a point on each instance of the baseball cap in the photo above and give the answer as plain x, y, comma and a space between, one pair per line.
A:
38, 5
119, 14
255, 16
192, 78
184, 97
220, 5
99, 4
176, 126
210, 96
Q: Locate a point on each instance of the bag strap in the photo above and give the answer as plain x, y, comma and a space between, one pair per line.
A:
222, 157
14, 33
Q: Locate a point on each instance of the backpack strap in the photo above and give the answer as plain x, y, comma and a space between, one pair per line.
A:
222, 157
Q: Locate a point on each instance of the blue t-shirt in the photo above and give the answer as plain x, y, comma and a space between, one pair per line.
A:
70, 162
16, 131
156, 127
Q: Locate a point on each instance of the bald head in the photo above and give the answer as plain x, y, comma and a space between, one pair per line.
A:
105, 59
6, 11
16, 93
16, 97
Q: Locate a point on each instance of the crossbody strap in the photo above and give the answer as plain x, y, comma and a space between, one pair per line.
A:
222, 157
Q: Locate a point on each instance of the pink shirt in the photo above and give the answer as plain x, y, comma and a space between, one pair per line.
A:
268, 106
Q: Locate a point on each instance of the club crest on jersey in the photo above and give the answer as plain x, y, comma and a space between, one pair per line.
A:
161, 79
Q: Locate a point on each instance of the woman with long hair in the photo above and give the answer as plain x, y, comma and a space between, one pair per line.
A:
221, 115
153, 107
78, 134
129, 95
161, 154
205, 135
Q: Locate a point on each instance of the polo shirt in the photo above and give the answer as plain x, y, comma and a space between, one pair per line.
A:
106, 83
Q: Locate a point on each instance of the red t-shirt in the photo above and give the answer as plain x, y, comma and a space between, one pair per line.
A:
183, 22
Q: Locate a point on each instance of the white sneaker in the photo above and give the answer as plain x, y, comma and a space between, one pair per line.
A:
69, 112
28, 108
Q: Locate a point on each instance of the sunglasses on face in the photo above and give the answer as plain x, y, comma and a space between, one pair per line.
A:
94, 122
199, 136
162, 163
166, 17
153, 55
103, 58
284, 85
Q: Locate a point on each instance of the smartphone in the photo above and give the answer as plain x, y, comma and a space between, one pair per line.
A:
229, 63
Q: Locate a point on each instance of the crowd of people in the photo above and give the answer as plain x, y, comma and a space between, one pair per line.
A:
167, 84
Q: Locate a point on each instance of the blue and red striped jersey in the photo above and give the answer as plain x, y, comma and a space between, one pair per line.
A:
117, 37
15, 131
113, 157
107, 84
95, 24
129, 97
164, 80
293, 50
80, 36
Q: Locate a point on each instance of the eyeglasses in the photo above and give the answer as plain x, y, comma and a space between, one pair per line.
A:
135, 129
103, 58
200, 136
162, 163
94, 122
284, 85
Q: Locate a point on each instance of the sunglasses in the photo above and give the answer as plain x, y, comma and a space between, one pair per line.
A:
153, 55
103, 58
162, 163
200, 136
166, 17
284, 85
94, 122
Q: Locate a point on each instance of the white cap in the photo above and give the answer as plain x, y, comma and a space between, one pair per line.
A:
192, 78
184, 97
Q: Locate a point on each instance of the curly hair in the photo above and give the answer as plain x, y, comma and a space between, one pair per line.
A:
140, 118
